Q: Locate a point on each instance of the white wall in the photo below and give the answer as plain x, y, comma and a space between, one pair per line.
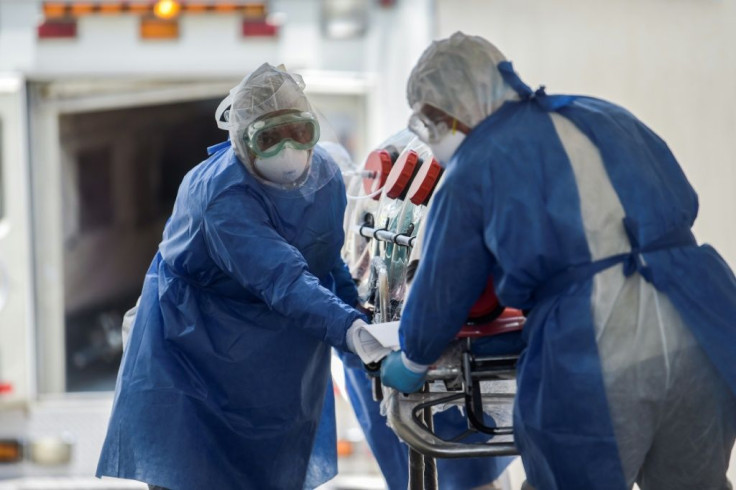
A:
671, 62
399, 37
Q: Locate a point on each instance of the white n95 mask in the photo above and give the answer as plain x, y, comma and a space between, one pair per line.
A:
446, 146
284, 168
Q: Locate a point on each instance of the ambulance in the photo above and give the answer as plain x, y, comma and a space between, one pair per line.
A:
104, 106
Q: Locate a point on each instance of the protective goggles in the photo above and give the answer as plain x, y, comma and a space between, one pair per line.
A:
427, 130
269, 136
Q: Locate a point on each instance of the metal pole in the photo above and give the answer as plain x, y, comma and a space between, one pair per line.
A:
430, 464
416, 470
384, 235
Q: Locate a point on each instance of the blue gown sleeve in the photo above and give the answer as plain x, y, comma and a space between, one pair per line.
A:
243, 243
453, 270
345, 288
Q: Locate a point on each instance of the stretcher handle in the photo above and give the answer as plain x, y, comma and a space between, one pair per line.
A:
400, 418
383, 235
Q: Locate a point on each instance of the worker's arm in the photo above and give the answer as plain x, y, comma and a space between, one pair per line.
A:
244, 244
345, 288
453, 270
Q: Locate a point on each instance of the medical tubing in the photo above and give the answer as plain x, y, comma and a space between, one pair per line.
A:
372, 194
366, 174
363, 173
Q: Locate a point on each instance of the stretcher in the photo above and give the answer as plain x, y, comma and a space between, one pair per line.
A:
476, 374
481, 384
477, 371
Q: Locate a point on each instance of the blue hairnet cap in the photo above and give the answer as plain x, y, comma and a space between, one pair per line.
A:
459, 75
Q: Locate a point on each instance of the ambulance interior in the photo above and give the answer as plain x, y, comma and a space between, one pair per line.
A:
121, 172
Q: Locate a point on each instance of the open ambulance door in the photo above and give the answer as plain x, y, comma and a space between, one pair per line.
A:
17, 378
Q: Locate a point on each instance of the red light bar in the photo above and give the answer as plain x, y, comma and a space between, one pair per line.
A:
58, 29
259, 28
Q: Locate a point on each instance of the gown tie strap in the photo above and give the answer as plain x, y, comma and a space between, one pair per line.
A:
633, 261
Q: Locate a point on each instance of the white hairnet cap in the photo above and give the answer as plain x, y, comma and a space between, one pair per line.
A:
459, 76
267, 89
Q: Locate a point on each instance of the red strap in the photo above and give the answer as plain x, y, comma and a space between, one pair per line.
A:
511, 320
486, 303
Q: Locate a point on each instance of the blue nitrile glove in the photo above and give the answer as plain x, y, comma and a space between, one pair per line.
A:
399, 372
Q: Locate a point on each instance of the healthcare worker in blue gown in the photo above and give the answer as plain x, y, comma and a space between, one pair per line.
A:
390, 453
227, 363
582, 216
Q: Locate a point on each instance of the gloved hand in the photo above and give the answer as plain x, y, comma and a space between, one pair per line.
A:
399, 372
368, 340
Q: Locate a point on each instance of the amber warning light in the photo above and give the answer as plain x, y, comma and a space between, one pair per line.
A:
11, 451
166, 9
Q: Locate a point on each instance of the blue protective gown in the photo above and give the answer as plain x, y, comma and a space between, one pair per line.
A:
510, 206
223, 379
392, 455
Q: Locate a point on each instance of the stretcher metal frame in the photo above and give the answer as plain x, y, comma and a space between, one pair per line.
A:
406, 412
468, 384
